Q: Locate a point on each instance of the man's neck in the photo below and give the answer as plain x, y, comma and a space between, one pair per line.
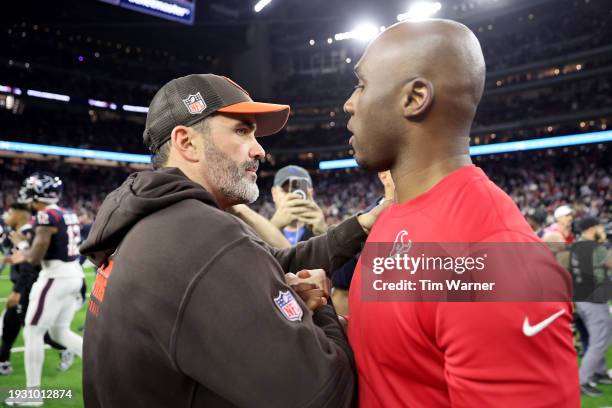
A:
196, 177
415, 177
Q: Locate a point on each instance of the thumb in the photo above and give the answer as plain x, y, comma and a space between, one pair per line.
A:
304, 274
291, 279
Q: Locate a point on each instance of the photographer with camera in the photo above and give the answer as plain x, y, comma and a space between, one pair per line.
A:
297, 215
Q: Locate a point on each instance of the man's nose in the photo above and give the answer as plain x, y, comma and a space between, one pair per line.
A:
257, 151
348, 106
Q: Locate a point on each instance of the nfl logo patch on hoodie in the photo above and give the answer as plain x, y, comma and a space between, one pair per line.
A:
288, 306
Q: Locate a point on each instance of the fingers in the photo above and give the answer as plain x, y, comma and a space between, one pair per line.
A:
314, 298
318, 277
300, 202
313, 292
312, 287
311, 205
310, 219
303, 287
314, 303
291, 279
291, 197
295, 211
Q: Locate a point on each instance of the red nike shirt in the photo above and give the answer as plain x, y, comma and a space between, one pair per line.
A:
452, 354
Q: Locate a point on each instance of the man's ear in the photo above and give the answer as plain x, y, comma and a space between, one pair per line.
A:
184, 143
417, 97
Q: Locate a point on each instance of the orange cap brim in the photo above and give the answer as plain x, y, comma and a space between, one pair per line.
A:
271, 118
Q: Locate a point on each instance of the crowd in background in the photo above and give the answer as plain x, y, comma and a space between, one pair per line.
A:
126, 74
579, 176
84, 186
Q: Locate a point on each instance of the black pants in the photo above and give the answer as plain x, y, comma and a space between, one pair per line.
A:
12, 323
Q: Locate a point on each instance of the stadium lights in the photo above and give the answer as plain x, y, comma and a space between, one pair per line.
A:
506, 147
162, 6
74, 152
420, 11
132, 108
65, 98
8, 89
363, 32
48, 95
102, 104
261, 4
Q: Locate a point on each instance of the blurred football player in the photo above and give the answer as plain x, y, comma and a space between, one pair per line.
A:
53, 298
19, 228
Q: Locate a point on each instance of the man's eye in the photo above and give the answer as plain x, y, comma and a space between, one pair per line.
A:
242, 131
359, 86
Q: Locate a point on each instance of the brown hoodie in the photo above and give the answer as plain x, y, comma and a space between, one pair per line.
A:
192, 310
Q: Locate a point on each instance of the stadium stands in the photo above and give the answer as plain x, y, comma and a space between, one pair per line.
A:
549, 73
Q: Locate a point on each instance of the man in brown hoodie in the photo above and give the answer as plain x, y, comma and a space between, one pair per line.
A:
190, 308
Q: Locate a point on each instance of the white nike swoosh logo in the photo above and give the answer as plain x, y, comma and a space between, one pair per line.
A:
529, 330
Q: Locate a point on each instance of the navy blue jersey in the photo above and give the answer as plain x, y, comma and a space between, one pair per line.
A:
65, 242
23, 275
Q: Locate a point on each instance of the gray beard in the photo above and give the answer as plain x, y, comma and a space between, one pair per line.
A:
228, 177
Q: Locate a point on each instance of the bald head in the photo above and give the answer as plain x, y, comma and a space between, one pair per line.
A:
444, 52
415, 79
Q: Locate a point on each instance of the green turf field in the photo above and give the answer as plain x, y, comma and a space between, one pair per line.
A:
51, 378
71, 379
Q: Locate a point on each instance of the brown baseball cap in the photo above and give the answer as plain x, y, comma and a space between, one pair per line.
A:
189, 99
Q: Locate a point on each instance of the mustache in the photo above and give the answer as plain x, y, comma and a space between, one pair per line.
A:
251, 165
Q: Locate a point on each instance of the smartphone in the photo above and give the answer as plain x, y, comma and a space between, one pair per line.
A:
299, 186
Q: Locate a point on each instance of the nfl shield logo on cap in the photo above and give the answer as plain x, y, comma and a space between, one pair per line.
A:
195, 104
288, 306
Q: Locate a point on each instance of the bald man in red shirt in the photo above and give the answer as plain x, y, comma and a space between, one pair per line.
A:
411, 112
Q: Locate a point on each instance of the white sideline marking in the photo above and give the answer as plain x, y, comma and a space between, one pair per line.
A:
22, 349
7, 276
3, 277
3, 300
